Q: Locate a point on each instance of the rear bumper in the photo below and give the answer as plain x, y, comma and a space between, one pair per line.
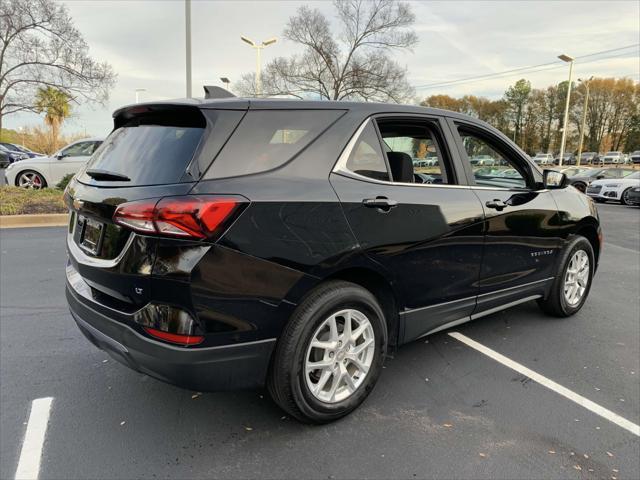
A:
237, 366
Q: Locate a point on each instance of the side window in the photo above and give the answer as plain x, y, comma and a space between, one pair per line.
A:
366, 158
490, 167
413, 152
79, 149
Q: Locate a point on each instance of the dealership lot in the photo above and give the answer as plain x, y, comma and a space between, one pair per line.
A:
441, 408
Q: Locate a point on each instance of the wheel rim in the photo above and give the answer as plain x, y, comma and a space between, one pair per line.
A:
30, 180
339, 356
576, 279
625, 197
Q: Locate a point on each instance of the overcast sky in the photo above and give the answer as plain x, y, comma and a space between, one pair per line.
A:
144, 42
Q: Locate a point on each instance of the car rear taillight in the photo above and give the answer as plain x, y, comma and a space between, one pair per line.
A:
194, 216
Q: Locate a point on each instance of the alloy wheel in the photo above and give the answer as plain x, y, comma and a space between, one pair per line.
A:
576, 279
339, 356
30, 180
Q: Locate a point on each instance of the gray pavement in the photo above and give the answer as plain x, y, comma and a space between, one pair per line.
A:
473, 418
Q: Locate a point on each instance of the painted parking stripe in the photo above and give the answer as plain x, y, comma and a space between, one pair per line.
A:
31, 453
550, 384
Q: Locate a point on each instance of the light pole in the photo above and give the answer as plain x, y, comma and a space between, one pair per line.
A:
258, 48
21, 130
138, 90
584, 118
187, 20
565, 58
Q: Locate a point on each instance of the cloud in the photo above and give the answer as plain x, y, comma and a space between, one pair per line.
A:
144, 41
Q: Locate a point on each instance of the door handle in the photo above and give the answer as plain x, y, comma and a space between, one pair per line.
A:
381, 203
496, 203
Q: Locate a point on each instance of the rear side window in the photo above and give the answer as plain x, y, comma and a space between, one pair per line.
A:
147, 154
267, 139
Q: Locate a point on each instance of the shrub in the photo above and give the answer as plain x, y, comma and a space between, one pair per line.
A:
62, 184
18, 201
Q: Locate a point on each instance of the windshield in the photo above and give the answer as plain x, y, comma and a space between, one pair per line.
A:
634, 175
593, 173
613, 153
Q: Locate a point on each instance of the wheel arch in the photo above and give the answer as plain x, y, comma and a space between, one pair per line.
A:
593, 234
381, 288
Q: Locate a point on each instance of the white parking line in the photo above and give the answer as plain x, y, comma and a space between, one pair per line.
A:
31, 453
542, 380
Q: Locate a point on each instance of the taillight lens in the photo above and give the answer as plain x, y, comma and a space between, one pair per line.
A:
175, 338
196, 216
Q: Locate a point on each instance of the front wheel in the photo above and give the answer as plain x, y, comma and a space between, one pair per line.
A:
30, 179
624, 198
573, 281
330, 354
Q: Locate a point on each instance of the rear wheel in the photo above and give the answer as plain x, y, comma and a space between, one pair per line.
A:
573, 281
624, 198
330, 354
30, 179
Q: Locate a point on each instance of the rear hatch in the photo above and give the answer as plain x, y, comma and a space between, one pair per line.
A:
154, 152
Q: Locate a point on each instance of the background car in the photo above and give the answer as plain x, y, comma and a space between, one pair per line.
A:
583, 180
634, 157
589, 158
573, 171
40, 172
610, 189
543, 159
20, 149
613, 158
11, 156
483, 161
567, 159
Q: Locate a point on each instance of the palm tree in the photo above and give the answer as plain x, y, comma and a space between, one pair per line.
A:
55, 104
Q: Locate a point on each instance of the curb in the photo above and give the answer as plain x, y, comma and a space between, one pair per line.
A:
28, 221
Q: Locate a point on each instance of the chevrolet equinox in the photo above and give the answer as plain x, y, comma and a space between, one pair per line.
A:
234, 243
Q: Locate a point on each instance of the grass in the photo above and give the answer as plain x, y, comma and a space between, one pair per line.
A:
19, 201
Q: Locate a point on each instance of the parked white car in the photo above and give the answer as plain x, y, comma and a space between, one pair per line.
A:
40, 172
544, 159
614, 188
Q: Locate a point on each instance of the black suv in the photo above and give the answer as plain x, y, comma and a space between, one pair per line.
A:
234, 243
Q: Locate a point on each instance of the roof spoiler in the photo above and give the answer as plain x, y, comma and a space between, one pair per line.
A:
216, 92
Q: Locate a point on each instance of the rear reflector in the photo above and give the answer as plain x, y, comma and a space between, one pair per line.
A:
197, 216
174, 337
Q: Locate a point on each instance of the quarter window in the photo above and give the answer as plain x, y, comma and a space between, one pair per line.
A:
267, 139
490, 167
366, 158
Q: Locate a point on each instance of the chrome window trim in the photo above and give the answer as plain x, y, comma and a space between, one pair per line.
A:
340, 168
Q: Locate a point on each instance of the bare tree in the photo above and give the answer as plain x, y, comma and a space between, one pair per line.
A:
355, 64
40, 47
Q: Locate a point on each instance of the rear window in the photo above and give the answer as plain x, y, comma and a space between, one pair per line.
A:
267, 139
147, 154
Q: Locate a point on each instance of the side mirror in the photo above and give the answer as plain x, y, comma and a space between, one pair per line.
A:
60, 156
554, 179
599, 177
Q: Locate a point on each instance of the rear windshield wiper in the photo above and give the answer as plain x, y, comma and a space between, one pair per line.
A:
107, 175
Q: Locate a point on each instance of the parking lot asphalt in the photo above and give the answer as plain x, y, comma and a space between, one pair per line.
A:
440, 409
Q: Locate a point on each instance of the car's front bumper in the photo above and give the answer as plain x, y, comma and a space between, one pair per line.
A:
604, 193
236, 366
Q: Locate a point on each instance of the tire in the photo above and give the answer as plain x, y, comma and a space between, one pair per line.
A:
580, 187
289, 383
30, 179
624, 198
556, 303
